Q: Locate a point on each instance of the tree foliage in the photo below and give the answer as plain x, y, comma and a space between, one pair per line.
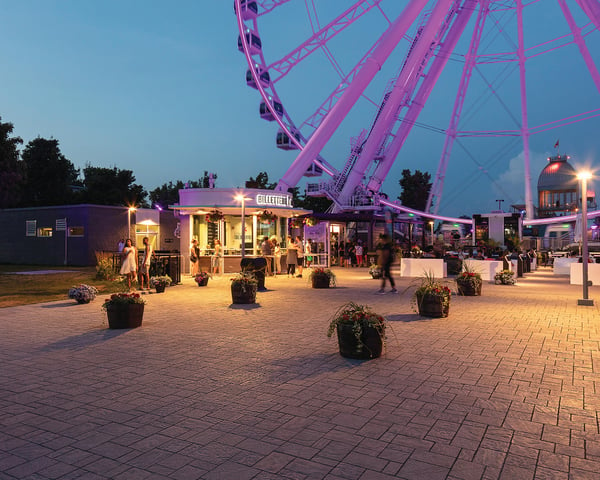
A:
49, 175
11, 168
261, 181
168, 193
112, 186
415, 189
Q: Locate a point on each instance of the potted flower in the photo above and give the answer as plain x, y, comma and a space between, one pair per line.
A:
375, 270
360, 331
321, 278
214, 217
266, 217
310, 221
83, 293
243, 288
504, 277
124, 310
469, 282
202, 279
432, 297
160, 282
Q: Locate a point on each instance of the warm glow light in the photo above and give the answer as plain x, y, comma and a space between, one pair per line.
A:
584, 175
132, 209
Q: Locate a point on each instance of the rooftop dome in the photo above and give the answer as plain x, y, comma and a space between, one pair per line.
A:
557, 175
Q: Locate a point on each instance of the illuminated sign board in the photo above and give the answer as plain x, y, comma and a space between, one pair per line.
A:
274, 200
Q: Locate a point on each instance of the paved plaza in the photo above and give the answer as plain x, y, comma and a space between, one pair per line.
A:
505, 387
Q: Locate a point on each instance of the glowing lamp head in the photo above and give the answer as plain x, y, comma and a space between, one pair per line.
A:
584, 175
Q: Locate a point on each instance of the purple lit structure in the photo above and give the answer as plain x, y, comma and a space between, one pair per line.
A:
432, 33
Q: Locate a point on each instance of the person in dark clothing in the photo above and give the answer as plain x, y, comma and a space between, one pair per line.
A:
385, 260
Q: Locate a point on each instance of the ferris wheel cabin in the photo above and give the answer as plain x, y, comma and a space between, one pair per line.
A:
263, 77
253, 40
266, 114
249, 10
284, 141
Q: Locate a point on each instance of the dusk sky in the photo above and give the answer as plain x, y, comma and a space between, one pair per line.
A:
159, 88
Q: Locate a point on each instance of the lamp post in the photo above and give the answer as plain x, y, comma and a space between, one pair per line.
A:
431, 225
129, 210
242, 198
586, 301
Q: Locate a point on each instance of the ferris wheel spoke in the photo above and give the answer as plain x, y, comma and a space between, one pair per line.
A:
268, 6
585, 53
393, 35
319, 39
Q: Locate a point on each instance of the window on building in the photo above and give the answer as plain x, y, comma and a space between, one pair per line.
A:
44, 232
76, 231
30, 228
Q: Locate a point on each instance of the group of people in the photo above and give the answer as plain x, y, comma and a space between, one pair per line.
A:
298, 255
215, 258
129, 263
350, 254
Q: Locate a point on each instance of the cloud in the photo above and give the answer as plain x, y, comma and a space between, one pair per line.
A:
511, 182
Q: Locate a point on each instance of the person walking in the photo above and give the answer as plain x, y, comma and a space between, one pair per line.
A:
385, 260
292, 256
195, 257
276, 248
359, 254
300, 249
129, 262
308, 253
145, 264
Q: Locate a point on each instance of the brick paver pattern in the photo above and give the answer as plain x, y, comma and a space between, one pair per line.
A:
504, 388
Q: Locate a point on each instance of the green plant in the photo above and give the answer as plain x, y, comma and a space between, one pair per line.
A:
244, 280
359, 317
469, 274
374, 270
215, 216
104, 266
117, 299
429, 286
83, 293
319, 272
160, 280
504, 277
266, 217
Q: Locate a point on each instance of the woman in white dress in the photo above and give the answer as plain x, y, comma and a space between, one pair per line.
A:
129, 262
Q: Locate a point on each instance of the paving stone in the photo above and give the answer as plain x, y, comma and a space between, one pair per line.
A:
505, 387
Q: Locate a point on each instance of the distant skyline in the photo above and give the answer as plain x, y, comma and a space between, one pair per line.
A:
160, 90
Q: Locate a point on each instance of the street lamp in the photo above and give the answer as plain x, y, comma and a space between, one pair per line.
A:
242, 198
584, 176
129, 211
431, 225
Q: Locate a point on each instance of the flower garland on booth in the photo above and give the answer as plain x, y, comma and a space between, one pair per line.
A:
267, 217
215, 216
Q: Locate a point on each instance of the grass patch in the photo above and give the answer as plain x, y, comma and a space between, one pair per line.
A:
24, 289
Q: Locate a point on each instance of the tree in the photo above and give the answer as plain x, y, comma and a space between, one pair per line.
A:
415, 189
168, 193
112, 186
49, 175
11, 168
261, 181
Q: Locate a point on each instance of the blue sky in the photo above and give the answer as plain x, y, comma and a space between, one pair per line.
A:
159, 89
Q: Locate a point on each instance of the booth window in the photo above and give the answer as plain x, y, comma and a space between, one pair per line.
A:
30, 228
45, 232
76, 231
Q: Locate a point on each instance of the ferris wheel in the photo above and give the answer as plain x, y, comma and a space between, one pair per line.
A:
368, 72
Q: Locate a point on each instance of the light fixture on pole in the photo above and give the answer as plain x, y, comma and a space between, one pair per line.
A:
431, 222
583, 177
241, 198
129, 210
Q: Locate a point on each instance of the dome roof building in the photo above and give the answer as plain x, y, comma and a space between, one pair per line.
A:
557, 188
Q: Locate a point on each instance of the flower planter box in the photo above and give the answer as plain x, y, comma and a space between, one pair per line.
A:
125, 316
81, 301
469, 288
241, 294
203, 282
320, 281
433, 306
160, 288
369, 346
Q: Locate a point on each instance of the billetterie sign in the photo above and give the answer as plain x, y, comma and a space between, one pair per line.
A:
274, 200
